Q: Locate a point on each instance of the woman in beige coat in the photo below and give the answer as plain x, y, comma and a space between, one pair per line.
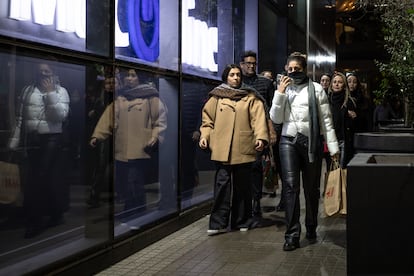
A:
138, 119
233, 127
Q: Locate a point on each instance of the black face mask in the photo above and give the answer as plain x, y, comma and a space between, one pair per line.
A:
298, 77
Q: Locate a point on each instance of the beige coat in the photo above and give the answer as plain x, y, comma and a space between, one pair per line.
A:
135, 123
231, 128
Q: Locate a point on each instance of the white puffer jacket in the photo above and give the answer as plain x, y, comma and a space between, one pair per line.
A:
41, 113
292, 109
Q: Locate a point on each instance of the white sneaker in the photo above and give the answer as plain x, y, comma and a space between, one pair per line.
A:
244, 229
212, 232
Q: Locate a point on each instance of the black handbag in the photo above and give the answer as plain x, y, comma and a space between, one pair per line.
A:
301, 139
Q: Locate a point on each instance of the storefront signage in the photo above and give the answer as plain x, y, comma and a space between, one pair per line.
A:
69, 15
143, 27
199, 41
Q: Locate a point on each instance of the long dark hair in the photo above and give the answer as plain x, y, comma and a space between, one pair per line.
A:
226, 72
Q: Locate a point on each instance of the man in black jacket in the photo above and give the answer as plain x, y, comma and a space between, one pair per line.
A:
265, 88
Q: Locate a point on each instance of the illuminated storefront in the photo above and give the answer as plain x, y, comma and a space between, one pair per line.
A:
89, 200
84, 196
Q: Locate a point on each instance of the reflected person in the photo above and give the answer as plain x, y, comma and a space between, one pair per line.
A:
43, 110
138, 120
101, 157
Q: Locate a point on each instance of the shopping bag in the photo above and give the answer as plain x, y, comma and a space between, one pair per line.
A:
9, 182
270, 177
333, 190
342, 211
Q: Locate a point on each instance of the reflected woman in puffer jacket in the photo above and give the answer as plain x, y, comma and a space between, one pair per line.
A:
43, 110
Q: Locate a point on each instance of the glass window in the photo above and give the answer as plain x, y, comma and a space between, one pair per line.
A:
45, 117
71, 24
207, 37
146, 32
197, 170
144, 119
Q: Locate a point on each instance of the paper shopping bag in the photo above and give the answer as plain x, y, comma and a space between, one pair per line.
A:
333, 192
9, 182
343, 192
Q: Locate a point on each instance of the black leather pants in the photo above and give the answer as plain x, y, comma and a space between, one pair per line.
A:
294, 162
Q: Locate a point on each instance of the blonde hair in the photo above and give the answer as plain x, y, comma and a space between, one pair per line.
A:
346, 87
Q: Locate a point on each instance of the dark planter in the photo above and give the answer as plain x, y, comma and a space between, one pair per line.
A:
380, 215
392, 140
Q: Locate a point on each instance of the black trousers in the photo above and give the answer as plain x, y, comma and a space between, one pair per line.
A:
45, 193
256, 177
131, 177
232, 196
295, 163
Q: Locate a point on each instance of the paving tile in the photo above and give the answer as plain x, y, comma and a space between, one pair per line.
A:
190, 251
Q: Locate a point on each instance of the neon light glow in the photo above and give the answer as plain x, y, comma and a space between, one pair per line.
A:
43, 11
144, 24
69, 15
199, 42
20, 9
121, 38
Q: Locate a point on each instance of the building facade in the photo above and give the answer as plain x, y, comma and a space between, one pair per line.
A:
68, 203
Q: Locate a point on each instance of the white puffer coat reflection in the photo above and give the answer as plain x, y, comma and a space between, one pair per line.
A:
39, 112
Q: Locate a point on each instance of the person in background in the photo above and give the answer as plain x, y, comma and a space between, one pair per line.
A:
303, 108
364, 104
269, 75
100, 162
265, 89
325, 81
343, 115
138, 120
234, 128
278, 129
44, 108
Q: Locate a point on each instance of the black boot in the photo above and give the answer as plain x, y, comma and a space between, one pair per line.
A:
257, 210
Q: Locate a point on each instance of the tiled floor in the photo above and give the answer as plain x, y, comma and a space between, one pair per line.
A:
190, 251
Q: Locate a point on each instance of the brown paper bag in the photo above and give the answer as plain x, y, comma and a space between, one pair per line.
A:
9, 182
343, 192
332, 197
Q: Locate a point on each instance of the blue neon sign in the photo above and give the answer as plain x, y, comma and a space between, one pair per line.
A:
143, 26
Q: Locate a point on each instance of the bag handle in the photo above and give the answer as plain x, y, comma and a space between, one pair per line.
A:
334, 165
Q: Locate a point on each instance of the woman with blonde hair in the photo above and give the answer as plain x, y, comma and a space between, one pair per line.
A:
343, 114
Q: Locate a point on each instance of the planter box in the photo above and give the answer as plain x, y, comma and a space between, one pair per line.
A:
380, 220
391, 141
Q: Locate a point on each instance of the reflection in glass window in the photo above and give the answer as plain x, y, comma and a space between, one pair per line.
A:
139, 119
146, 31
197, 171
210, 31
61, 23
42, 131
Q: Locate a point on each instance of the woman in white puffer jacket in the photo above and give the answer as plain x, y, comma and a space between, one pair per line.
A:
303, 108
43, 109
